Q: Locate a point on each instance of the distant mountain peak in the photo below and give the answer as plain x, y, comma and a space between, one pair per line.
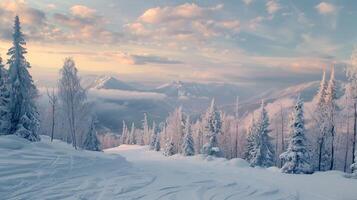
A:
110, 82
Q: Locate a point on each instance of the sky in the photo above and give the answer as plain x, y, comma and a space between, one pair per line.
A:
241, 41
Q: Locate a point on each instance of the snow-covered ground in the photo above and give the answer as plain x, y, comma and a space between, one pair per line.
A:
47, 170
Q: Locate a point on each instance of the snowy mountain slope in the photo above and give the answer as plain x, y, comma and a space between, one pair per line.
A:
179, 177
45, 170
109, 82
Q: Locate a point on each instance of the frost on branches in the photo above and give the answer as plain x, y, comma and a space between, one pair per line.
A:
297, 158
212, 128
188, 148
4, 101
24, 115
91, 142
262, 153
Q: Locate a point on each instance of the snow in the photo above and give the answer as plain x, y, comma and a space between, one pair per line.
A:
45, 170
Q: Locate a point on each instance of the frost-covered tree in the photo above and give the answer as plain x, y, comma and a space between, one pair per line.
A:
72, 96
212, 128
351, 73
4, 101
53, 101
251, 134
157, 143
188, 146
132, 135
175, 128
153, 137
91, 142
262, 153
125, 134
24, 117
297, 158
321, 125
169, 148
331, 106
146, 131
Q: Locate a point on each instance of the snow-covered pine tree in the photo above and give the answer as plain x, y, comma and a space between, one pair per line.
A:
262, 153
212, 129
331, 106
91, 142
153, 137
146, 131
132, 137
297, 159
157, 143
251, 134
125, 134
169, 148
4, 101
188, 146
24, 115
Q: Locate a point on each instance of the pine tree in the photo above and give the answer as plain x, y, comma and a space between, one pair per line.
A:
169, 148
91, 142
212, 129
146, 131
188, 147
262, 153
4, 101
24, 115
153, 137
297, 158
157, 143
251, 134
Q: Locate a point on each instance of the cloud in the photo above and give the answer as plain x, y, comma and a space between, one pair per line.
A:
247, 2
272, 6
135, 59
83, 11
325, 8
185, 22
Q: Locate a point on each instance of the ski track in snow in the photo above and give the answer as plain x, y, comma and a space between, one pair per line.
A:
47, 170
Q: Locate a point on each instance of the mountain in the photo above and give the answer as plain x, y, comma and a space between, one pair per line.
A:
110, 82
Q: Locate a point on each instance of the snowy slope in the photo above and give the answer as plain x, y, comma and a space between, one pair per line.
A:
45, 170
192, 178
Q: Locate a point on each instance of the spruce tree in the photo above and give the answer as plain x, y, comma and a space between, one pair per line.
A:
4, 101
188, 147
157, 143
132, 137
125, 134
212, 128
297, 158
169, 148
249, 146
24, 117
262, 153
91, 142
153, 137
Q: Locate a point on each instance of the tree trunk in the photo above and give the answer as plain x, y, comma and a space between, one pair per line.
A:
282, 132
354, 132
332, 148
53, 122
347, 142
320, 143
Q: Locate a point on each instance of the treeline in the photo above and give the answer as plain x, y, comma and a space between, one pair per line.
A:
295, 147
70, 116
